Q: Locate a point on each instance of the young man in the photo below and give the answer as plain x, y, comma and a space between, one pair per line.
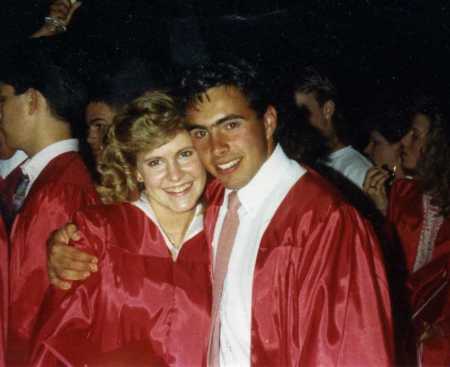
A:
305, 283
318, 95
36, 117
10, 173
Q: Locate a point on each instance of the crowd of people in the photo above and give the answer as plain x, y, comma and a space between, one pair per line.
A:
220, 217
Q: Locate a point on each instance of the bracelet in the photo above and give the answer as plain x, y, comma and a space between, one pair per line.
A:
57, 24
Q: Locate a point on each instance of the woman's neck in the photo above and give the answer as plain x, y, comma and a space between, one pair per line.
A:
173, 224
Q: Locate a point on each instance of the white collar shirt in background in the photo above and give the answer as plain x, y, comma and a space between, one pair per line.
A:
8, 165
351, 163
36, 164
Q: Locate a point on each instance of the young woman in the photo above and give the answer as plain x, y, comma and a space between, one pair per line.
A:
150, 300
384, 147
419, 212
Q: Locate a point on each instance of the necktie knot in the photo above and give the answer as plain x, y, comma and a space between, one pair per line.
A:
233, 201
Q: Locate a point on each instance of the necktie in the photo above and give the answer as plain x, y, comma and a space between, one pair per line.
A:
11, 184
20, 194
224, 248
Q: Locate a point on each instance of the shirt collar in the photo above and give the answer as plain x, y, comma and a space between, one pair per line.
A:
253, 195
36, 164
8, 165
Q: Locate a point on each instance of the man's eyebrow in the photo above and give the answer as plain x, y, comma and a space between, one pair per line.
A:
96, 120
192, 126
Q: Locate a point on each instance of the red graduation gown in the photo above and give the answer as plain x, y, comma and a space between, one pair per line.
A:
405, 214
3, 290
430, 303
320, 294
62, 187
139, 300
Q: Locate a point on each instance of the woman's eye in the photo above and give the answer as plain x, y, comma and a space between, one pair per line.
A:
186, 153
154, 163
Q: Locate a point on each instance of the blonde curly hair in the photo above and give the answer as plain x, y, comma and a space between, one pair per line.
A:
143, 125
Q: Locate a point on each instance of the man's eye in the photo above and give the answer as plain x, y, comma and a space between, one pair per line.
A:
198, 134
231, 125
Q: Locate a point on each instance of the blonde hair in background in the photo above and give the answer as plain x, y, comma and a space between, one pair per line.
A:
143, 125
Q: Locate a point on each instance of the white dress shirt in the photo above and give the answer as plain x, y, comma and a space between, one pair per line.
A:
36, 164
8, 165
351, 163
195, 227
259, 199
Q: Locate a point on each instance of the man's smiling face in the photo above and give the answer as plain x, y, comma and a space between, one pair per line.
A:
231, 140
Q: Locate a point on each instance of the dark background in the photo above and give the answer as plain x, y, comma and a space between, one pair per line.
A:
376, 51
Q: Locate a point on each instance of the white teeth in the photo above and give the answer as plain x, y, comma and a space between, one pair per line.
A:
228, 165
179, 188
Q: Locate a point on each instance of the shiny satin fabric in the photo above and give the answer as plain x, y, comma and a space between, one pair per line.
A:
320, 294
139, 300
3, 290
63, 187
405, 214
430, 303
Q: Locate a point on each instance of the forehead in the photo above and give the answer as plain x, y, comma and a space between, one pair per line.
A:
181, 140
306, 99
6, 90
99, 110
421, 123
219, 102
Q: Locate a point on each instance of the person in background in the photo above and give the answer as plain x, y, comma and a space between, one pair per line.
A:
385, 151
317, 93
418, 212
110, 92
36, 118
384, 147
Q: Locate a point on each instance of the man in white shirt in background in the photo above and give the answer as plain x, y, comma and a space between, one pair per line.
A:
36, 117
318, 95
10, 159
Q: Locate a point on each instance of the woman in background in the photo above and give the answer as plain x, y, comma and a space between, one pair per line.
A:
419, 214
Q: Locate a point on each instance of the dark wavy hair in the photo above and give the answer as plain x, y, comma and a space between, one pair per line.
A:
227, 71
433, 169
392, 124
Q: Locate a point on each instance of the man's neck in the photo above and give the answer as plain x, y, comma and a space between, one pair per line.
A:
53, 134
336, 145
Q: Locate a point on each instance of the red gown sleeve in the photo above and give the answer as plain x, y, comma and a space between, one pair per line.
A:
44, 212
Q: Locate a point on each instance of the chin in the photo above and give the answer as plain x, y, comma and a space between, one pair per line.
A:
183, 207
